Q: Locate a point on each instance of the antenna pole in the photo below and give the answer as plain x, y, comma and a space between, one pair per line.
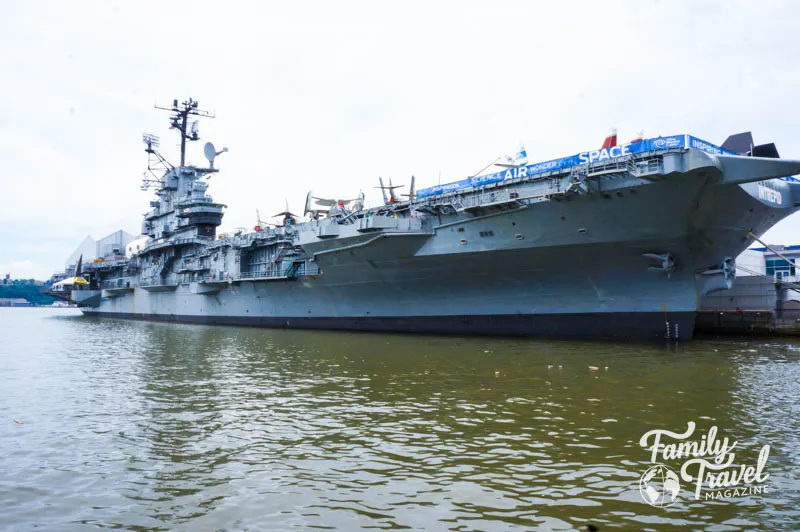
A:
182, 128
180, 121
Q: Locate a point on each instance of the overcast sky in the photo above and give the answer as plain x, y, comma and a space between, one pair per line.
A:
328, 96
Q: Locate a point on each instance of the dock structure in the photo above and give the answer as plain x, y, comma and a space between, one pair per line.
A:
765, 298
758, 322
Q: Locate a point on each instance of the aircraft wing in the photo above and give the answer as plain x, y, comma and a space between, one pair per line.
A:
325, 202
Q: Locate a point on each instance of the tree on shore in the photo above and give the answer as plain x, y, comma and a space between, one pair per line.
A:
29, 289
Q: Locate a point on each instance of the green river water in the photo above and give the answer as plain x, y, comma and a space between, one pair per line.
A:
149, 426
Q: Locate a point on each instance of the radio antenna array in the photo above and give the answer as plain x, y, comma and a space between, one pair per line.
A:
180, 121
155, 162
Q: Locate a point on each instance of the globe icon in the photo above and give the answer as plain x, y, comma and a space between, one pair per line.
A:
659, 486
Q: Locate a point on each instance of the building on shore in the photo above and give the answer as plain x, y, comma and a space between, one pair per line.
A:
91, 250
86, 249
14, 302
765, 297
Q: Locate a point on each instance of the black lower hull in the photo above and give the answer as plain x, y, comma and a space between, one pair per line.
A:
620, 325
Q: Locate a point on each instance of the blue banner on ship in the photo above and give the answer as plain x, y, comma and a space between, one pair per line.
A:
699, 144
647, 145
655, 144
642, 146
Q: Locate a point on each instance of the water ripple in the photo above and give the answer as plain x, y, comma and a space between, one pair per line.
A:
155, 427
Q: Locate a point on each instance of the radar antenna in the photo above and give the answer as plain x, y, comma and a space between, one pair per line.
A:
180, 121
155, 162
211, 153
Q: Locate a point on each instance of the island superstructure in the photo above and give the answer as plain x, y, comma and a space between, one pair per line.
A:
615, 242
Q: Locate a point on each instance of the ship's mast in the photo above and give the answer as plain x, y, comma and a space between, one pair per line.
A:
180, 121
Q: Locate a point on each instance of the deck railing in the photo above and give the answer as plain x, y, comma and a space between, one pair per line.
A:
298, 269
110, 284
157, 280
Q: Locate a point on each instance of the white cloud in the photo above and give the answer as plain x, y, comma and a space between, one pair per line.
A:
330, 95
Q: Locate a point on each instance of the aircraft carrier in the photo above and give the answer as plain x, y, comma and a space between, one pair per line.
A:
617, 242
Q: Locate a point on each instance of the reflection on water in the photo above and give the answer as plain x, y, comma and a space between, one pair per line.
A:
154, 426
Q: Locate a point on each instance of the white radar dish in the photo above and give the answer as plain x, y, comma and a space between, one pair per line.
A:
210, 152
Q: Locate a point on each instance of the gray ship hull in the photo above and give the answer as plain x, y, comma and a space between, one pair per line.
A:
600, 290
616, 247
568, 270
616, 325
